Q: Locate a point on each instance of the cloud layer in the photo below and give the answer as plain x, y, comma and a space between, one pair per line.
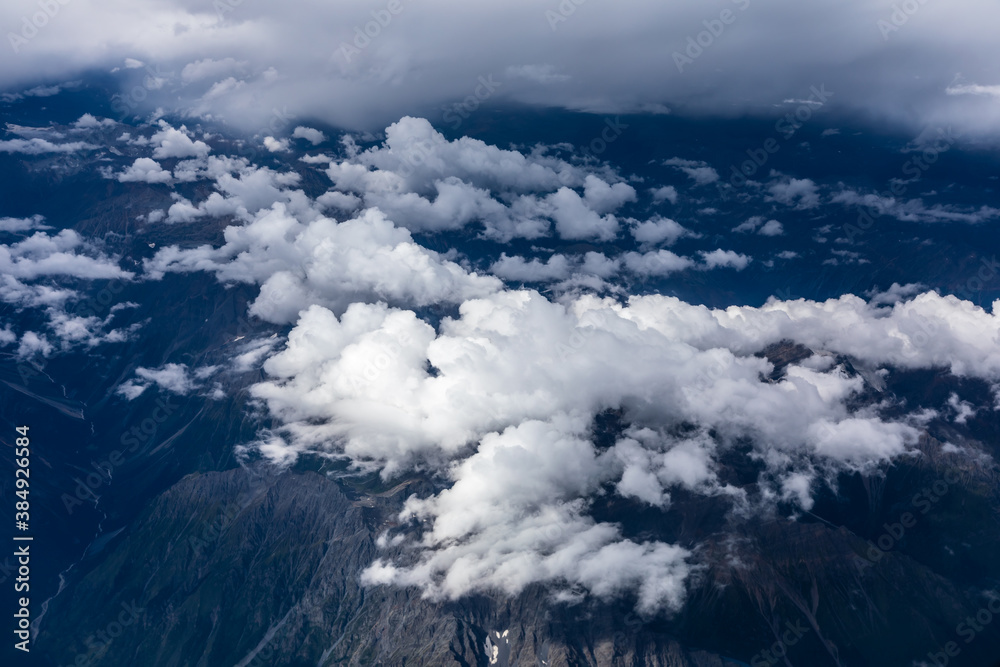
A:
232, 59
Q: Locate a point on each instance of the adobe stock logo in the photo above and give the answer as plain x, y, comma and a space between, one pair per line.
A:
914, 168
98, 643
608, 135
776, 652
381, 18
134, 438
697, 44
968, 630
900, 16
565, 9
458, 112
38, 20
786, 127
924, 501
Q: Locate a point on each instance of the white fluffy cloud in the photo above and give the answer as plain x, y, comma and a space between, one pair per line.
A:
145, 170
758, 225
508, 390
33, 344
241, 190
557, 267
657, 230
482, 352
514, 517
771, 228
575, 220
176, 143
90, 122
10, 225
568, 272
424, 182
276, 145
174, 378
313, 136
64, 254
326, 262
699, 172
604, 198
667, 192
726, 259
800, 193
656, 263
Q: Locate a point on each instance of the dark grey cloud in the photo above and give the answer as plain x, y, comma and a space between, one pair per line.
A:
362, 65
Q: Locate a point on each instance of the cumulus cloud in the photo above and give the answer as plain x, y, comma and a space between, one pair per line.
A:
771, 228
145, 170
667, 192
895, 293
174, 378
557, 267
758, 225
71, 328
963, 409
655, 263
603, 197
38, 295
657, 230
699, 172
7, 336
424, 182
241, 190
171, 142
276, 145
513, 517
33, 344
90, 122
522, 378
11, 225
47, 131
338, 200
313, 136
480, 350
800, 193
325, 262
64, 254
725, 258
568, 273
575, 220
